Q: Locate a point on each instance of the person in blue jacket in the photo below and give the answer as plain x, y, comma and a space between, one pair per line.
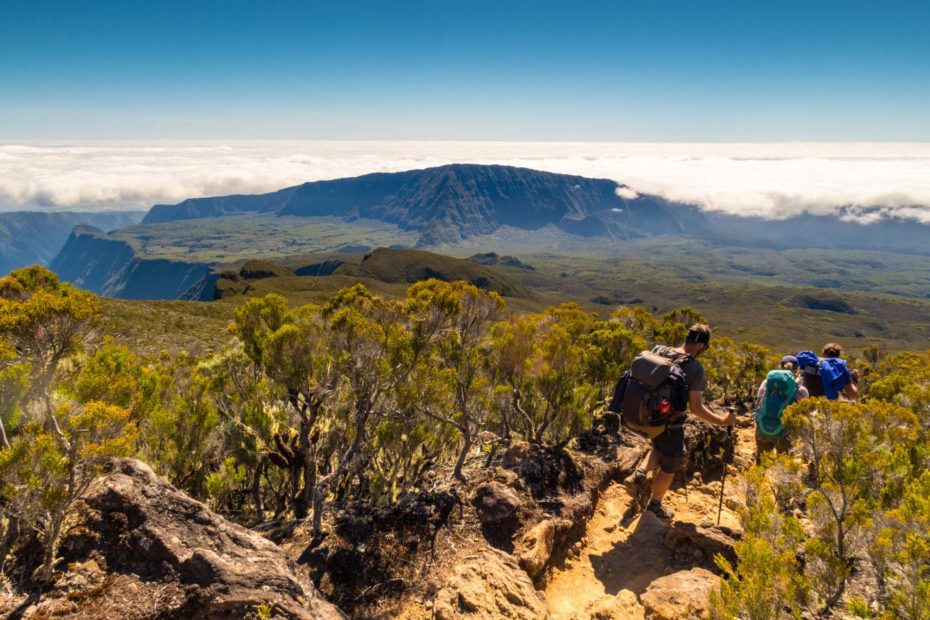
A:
828, 376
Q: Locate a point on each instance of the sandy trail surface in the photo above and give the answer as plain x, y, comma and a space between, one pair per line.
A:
623, 550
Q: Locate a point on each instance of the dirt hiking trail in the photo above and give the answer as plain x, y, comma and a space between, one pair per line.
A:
626, 552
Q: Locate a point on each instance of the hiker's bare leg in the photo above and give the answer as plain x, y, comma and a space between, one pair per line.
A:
661, 483
650, 461
654, 460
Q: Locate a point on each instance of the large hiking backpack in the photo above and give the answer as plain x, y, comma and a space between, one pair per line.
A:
780, 389
653, 394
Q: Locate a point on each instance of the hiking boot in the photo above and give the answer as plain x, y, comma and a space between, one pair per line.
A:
656, 508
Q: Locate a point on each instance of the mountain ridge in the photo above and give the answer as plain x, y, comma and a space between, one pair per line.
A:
447, 204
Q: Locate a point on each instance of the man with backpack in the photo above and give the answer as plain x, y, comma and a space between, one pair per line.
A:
827, 376
654, 397
778, 390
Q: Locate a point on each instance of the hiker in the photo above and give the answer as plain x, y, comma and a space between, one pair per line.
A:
827, 376
654, 397
778, 390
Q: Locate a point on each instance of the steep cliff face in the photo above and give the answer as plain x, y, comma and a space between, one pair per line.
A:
33, 237
107, 266
158, 279
451, 203
91, 260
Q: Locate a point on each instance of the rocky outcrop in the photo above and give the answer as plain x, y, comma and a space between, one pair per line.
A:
137, 525
523, 511
495, 503
493, 258
537, 544
706, 445
703, 542
232, 283
679, 595
489, 585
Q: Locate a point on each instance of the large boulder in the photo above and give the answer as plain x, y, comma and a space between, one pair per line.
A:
495, 502
536, 547
705, 541
488, 585
135, 524
679, 595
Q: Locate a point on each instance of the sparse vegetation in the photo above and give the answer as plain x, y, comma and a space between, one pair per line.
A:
362, 398
846, 509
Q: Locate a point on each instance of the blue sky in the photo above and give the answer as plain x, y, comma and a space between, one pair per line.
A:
643, 71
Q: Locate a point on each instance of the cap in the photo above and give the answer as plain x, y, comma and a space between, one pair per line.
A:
699, 336
789, 359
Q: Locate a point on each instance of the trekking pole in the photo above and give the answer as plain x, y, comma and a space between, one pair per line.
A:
723, 478
684, 480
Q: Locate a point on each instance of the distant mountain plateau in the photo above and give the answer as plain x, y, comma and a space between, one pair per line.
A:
460, 209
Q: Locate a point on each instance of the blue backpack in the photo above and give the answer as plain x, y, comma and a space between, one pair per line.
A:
780, 389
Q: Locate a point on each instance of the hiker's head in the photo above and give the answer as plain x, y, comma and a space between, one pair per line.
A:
697, 340
832, 349
789, 362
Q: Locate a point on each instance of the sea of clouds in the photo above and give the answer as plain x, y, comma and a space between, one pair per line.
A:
773, 180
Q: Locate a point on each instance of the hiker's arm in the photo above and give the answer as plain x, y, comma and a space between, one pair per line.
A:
760, 394
696, 405
852, 391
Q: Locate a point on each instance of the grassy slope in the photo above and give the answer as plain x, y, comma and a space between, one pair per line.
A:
768, 314
693, 259
765, 314
150, 327
408, 266
232, 238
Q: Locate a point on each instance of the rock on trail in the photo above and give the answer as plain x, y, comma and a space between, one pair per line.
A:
490, 584
679, 595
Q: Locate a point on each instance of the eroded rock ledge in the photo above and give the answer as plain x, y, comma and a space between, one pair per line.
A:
143, 549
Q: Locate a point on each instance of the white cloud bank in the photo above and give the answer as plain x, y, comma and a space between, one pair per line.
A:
773, 180
627, 193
